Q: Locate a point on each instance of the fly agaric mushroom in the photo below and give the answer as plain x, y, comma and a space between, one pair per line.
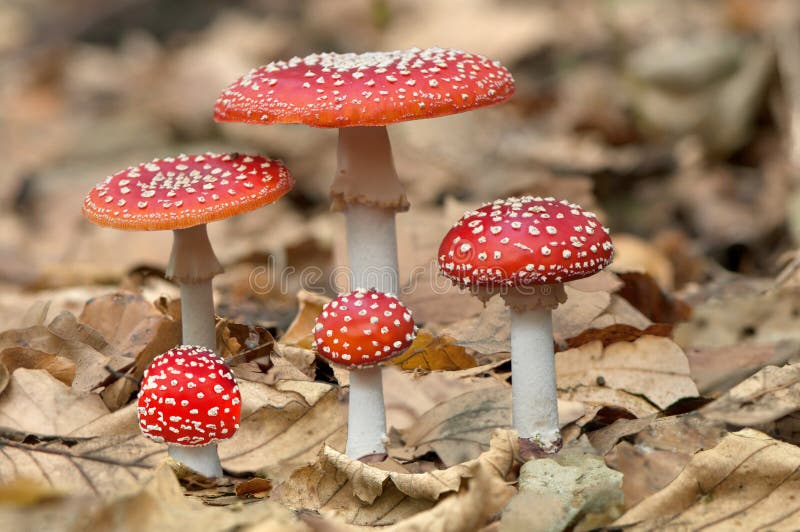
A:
359, 331
189, 399
360, 94
525, 249
183, 194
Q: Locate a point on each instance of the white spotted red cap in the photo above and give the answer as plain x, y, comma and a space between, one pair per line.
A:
189, 397
524, 241
369, 89
363, 328
187, 190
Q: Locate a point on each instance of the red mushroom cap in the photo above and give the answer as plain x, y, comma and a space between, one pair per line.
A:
371, 89
180, 192
189, 398
363, 328
524, 241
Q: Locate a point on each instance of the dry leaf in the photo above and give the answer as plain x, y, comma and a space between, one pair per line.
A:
767, 396
747, 482
99, 466
408, 396
345, 488
434, 353
301, 331
35, 402
651, 366
718, 369
59, 367
77, 342
459, 429
283, 429
5, 376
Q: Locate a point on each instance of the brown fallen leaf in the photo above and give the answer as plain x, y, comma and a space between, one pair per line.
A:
59, 367
5, 377
67, 338
137, 329
383, 494
747, 482
651, 366
300, 332
254, 487
434, 353
718, 369
99, 466
283, 429
770, 394
408, 396
460, 428
644, 293
35, 402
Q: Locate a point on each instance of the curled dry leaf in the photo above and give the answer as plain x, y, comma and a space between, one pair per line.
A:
35, 402
655, 450
434, 353
770, 394
300, 332
5, 376
747, 482
59, 367
346, 488
651, 366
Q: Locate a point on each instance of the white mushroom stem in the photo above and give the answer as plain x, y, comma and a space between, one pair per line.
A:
204, 460
366, 187
366, 422
372, 248
193, 264
534, 402
197, 314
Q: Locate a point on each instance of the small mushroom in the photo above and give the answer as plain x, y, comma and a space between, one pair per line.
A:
183, 194
189, 399
525, 249
359, 331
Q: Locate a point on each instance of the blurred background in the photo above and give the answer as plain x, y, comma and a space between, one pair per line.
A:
673, 120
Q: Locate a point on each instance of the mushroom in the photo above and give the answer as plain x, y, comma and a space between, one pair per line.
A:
189, 399
525, 249
362, 330
360, 94
183, 194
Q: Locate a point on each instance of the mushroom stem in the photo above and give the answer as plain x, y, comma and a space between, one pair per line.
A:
372, 248
367, 188
197, 315
534, 402
193, 264
366, 422
204, 460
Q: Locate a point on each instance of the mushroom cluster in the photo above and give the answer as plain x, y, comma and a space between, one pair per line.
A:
525, 249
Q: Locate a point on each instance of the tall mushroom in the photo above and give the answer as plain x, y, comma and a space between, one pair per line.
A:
525, 249
360, 94
183, 194
360, 331
189, 399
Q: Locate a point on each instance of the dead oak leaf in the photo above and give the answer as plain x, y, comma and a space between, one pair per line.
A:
59, 367
382, 494
434, 353
770, 394
35, 402
653, 367
748, 481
